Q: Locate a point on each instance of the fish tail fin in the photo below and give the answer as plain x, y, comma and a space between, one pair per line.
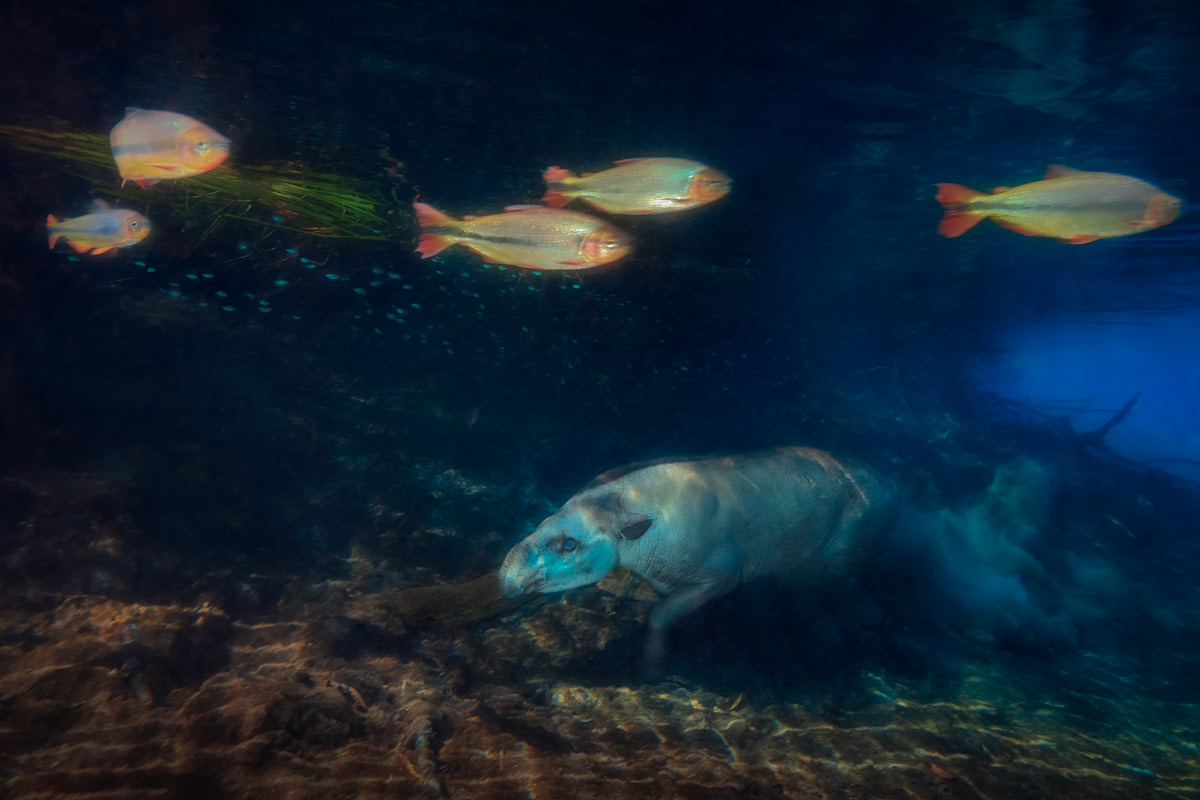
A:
556, 179
51, 222
435, 226
958, 219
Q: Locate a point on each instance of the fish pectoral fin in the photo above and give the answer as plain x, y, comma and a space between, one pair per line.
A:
165, 167
1015, 228
1079, 239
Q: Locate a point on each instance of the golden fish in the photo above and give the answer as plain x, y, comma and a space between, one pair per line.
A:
639, 186
1072, 206
525, 236
150, 146
102, 230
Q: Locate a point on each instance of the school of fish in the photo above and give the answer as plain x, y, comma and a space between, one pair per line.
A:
1069, 205
151, 146
550, 237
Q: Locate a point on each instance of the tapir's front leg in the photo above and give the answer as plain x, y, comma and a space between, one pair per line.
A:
674, 606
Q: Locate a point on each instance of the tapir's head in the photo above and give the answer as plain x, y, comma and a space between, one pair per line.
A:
574, 547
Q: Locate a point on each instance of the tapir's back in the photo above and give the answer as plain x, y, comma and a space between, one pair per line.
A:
779, 510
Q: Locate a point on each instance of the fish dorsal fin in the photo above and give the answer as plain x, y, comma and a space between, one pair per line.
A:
1001, 189
100, 205
1059, 171
628, 161
511, 209
131, 110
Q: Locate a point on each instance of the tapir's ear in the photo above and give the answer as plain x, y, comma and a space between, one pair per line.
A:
627, 525
634, 530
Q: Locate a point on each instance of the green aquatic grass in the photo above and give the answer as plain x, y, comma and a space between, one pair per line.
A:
305, 201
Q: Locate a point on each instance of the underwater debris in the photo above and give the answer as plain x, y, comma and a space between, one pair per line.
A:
283, 196
447, 605
1096, 437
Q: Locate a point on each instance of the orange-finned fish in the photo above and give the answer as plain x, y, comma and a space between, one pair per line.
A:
525, 236
1072, 206
150, 146
639, 186
102, 230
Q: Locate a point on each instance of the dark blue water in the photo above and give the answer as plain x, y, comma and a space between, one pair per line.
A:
282, 426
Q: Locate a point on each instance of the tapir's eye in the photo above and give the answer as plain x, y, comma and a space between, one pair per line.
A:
568, 545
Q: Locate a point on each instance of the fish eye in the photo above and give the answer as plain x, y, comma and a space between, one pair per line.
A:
134, 225
202, 145
568, 545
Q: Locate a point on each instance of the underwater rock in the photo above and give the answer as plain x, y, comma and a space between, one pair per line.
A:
349, 638
447, 605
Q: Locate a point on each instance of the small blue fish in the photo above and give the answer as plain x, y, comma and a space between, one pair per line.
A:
103, 230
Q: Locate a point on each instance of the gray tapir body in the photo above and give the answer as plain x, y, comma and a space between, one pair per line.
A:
696, 529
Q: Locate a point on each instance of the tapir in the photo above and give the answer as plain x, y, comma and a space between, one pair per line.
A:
695, 529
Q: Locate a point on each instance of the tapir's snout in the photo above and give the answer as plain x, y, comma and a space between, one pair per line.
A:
518, 571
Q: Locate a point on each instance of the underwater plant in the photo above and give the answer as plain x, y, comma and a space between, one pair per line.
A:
280, 195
